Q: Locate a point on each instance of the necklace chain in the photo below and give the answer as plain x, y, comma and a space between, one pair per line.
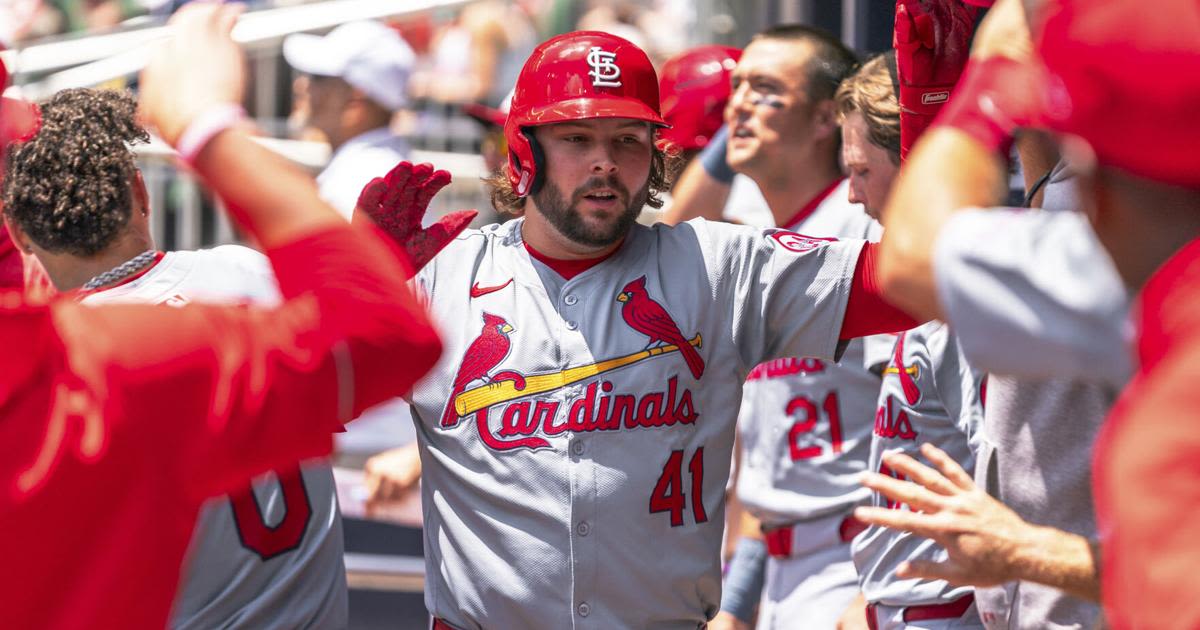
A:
123, 270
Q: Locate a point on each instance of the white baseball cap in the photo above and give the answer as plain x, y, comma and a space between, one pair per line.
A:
368, 55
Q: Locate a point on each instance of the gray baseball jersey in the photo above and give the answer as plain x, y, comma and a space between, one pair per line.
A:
576, 436
1032, 293
805, 424
270, 556
929, 395
1036, 300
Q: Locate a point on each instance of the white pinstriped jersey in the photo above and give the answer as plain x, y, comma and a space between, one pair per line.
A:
575, 458
271, 556
929, 395
805, 423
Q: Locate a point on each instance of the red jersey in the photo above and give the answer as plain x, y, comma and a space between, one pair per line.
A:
11, 269
118, 421
1147, 462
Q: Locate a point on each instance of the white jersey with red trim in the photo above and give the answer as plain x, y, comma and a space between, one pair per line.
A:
576, 436
271, 556
805, 424
930, 395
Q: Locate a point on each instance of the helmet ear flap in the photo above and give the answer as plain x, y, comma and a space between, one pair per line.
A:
539, 161
526, 161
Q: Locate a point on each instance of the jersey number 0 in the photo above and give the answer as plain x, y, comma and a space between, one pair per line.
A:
263, 539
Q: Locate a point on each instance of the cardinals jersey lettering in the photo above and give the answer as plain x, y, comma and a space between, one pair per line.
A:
577, 433
931, 395
805, 424
271, 555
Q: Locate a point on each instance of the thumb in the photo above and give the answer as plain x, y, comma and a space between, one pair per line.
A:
424, 245
452, 225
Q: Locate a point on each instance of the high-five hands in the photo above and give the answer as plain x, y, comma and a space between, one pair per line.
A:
397, 202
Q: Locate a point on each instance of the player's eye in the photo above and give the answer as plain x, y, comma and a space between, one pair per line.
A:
765, 87
575, 138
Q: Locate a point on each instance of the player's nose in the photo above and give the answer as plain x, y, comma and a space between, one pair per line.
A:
603, 160
739, 105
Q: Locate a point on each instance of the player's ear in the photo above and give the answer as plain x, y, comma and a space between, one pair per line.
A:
825, 120
141, 198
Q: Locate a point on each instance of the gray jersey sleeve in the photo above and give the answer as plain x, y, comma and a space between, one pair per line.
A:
788, 292
1032, 293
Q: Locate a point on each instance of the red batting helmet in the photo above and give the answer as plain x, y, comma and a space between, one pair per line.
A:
576, 76
695, 85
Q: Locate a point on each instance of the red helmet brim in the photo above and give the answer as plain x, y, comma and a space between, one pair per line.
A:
592, 107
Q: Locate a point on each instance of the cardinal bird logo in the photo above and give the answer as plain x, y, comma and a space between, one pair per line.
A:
481, 357
906, 374
651, 319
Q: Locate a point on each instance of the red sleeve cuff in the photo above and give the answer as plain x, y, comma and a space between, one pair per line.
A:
867, 312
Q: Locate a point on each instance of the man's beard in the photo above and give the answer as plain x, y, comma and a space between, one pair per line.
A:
568, 220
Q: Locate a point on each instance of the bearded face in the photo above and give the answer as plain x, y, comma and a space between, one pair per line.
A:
571, 216
596, 177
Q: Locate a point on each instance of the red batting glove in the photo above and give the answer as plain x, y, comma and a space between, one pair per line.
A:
932, 41
397, 202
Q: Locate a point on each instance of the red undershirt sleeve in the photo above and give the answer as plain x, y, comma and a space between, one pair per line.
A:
867, 312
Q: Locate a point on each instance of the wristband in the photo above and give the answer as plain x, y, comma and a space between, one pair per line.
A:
995, 97
205, 127
744, 582
712, 157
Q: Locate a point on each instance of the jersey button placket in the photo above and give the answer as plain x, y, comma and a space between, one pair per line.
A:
583, 529
584, 609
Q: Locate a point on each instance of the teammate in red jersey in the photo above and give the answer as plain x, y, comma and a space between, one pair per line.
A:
119, 420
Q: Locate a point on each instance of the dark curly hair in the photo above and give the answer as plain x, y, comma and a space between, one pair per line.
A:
69, 187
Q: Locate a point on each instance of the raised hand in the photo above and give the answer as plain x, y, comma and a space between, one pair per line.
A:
198, 67
932, 40
980, 534
397, 202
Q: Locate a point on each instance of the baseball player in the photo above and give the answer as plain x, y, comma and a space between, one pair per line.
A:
1024, 420
804, 423
269, 555
121, 420
929, 392
576, 440
694, 87
930, 395
1138, 180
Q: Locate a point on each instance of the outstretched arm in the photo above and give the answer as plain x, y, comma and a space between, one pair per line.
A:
250, 387
960, 162
987, 543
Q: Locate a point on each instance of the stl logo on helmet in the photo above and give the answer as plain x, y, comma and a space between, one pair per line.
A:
604, 72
